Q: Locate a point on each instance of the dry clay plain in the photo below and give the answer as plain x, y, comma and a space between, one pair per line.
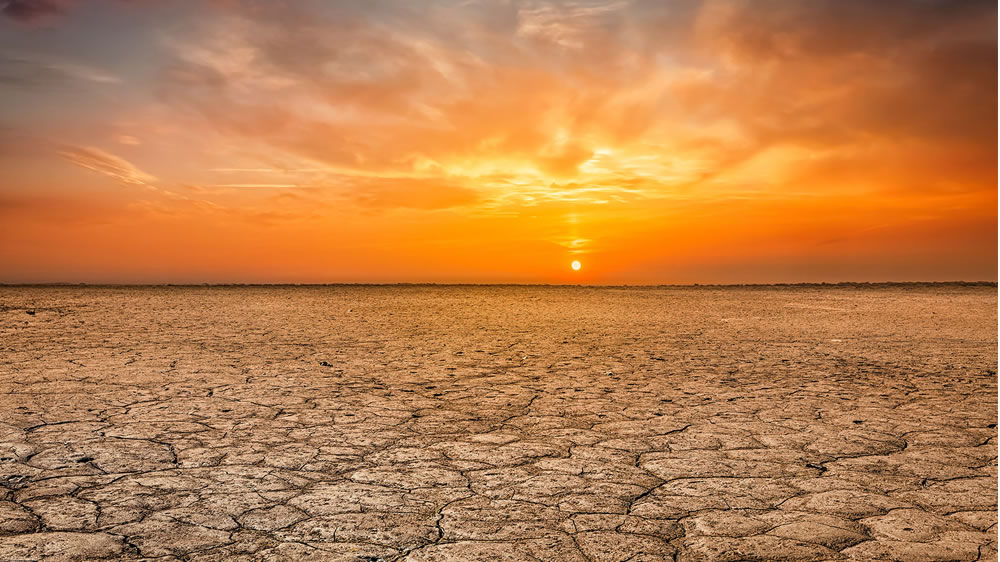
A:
499, 423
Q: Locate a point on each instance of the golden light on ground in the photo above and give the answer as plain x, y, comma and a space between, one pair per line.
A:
575, 265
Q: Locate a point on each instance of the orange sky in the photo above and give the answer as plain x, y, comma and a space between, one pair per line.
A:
497, 141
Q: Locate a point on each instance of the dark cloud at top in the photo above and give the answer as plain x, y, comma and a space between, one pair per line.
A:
763, 29
33, 11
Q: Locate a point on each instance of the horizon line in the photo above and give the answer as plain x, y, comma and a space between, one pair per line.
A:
435, 284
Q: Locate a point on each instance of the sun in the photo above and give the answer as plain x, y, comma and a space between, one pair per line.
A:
575, 265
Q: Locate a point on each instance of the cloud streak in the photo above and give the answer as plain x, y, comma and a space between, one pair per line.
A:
97, 160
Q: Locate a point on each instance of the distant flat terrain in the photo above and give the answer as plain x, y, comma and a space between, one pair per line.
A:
498, 423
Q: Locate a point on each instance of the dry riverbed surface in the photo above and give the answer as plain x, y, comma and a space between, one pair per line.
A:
498, 423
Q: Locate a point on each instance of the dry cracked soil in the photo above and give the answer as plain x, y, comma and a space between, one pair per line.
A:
498, 423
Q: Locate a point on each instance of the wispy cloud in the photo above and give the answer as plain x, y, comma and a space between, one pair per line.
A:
264, 185
34, 70
570, 24
105, 163
82, 72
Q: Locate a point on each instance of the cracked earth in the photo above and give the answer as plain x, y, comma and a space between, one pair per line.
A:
498, 423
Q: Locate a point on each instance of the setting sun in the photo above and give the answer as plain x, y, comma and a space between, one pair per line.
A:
575, 265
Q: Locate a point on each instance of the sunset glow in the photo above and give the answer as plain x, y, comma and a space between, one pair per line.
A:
481, 141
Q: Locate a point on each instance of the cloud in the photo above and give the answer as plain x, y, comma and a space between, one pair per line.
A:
260, 185
33, 11
97, 160
413, 194
37, 71
536, 102
682, 91
569, 25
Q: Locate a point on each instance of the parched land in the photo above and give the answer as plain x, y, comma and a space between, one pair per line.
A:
498, 423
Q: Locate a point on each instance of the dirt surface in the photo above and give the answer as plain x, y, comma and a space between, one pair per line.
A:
498, 423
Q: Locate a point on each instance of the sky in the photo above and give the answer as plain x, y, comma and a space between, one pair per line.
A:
497, 141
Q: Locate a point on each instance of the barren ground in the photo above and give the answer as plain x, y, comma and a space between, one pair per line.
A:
498, 423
